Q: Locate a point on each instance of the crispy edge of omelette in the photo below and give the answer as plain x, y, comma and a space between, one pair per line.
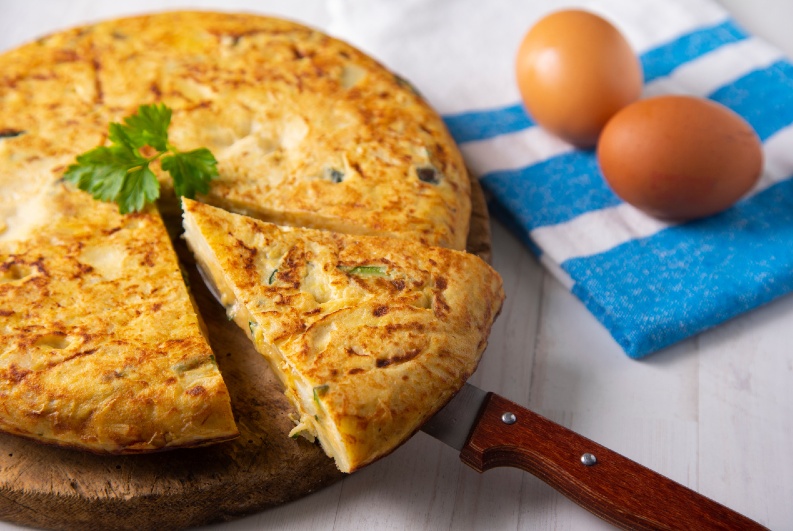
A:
102, 348
370, 336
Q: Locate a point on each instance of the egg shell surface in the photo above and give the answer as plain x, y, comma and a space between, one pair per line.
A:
575, 70
679, 157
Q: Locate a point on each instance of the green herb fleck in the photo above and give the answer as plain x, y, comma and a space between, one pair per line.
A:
120, 172
333, 175
319, 391
189, 364
252, 326
10, 133
378, 271
272, 276
185, 276
429, 174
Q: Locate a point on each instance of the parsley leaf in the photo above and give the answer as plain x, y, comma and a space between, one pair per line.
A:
120, 172
140, 187
149, 127
191, 171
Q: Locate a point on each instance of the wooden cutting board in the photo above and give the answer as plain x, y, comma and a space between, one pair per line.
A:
57, 488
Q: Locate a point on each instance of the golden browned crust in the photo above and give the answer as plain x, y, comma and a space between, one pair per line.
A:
287, 110
382, 347
101, 348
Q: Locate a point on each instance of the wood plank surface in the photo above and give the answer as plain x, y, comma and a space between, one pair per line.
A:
714, 413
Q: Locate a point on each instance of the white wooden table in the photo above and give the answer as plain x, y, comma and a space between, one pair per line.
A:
714, 413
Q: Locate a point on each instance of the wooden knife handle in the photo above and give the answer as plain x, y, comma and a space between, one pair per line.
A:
614, 488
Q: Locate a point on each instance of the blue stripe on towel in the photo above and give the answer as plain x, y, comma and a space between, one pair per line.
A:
662, 60
658, 62
658, 290
479, 125
565, 186
552, 191
764, 97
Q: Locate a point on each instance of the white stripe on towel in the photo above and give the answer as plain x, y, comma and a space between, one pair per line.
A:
715, 69
600, 230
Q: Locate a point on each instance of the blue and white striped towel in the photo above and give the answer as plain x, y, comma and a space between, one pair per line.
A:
650, 283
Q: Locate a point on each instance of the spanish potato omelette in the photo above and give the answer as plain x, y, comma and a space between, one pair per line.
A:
369, 335
307, 130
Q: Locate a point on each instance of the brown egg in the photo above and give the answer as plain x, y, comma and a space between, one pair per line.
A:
679, 157
575, 71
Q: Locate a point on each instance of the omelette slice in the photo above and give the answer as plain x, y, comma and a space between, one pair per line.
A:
370, 336
100, 347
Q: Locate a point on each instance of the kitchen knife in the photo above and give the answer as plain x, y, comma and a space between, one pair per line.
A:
490, 431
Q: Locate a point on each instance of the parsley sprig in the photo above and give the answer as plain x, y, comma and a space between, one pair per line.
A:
120, 172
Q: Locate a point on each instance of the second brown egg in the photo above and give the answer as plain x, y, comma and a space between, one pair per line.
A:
679, 157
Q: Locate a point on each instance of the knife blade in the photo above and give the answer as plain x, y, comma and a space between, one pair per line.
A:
454, 422
491, 431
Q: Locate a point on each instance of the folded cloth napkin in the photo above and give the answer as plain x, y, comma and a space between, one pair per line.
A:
650, 283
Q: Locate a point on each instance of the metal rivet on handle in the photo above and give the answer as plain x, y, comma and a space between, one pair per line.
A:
588, 459
509, 418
